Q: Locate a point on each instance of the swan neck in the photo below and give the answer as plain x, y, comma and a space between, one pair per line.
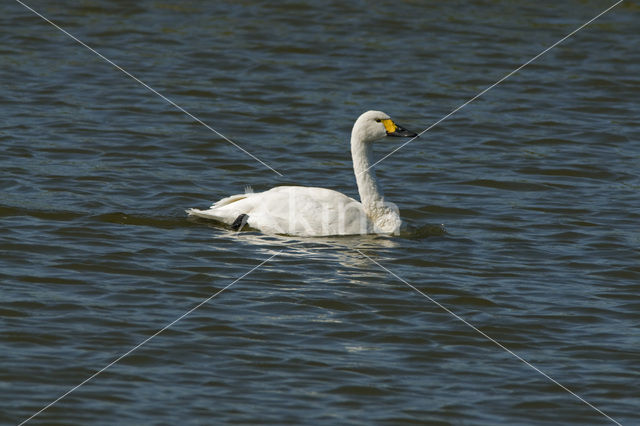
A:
368, 188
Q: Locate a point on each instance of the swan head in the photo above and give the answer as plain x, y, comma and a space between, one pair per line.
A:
374, 125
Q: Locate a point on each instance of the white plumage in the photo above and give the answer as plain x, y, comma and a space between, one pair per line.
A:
310, 211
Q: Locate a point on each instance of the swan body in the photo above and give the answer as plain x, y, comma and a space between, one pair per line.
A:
311, 211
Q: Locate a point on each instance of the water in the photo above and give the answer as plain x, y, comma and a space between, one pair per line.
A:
536, 184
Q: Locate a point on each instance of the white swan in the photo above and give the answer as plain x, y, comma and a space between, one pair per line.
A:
305, 211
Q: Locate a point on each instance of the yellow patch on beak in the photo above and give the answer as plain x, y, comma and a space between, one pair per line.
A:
389, 125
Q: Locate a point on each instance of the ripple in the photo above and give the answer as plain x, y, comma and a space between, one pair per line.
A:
535, 182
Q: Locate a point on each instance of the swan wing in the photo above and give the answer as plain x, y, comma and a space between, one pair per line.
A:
229, 200
293, 210
308, 211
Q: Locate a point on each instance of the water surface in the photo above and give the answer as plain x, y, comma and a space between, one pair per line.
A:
536, 184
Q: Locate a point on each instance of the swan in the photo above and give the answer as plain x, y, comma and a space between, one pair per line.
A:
310, 211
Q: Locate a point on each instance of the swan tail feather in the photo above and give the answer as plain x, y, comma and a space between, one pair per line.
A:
210, 214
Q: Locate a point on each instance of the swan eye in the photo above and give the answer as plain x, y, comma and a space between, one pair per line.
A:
378, 120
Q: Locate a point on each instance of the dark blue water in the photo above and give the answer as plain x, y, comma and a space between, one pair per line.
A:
536, 184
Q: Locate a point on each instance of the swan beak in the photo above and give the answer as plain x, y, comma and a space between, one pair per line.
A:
394, 130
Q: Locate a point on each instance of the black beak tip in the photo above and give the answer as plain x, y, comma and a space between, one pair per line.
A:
403, 133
